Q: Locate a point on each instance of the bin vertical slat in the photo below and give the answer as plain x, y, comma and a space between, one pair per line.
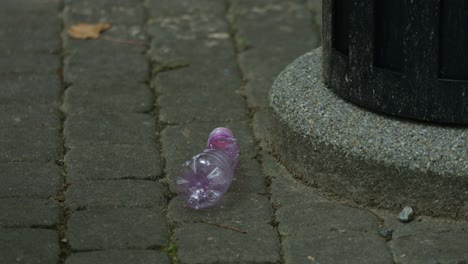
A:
402, 57
361, 46
454, 40
421, 49
326, 40
390, 19
341, 25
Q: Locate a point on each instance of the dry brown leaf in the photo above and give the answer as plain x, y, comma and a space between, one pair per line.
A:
87, 31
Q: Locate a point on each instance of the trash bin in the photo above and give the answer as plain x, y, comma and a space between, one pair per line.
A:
407, 58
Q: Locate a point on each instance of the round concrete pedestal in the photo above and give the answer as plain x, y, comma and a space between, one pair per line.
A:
373, 159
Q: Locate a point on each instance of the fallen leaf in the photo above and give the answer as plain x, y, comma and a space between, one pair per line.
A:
87, 31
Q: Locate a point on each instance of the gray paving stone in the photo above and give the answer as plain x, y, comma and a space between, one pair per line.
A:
184, 96
287, 191
120, 228
248, 177
20, 212
420, 225
28, 246
118, 257
284, 22
427, 240
30, 144
186, 38
29, 180
324, 217
187, 19
464, 211
33, 7
260, 69
317, 231
217, 75
96, 67
443, 247
18, 44
49, 23
325, 232
126, 12
316, 8
109, 128
263, 66
179, 8
113, 194
104, 46
134, 34
204, 243
33, 117
213, 50
182, 41
108, 96
194, 34
234, 210
175, 109
260, 124
15, 64
267, 29
335, 247
257, 92
184, 32
271, 167
30, 90
105, 161
29, 33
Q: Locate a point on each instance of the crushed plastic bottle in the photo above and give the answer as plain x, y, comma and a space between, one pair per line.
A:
204, 179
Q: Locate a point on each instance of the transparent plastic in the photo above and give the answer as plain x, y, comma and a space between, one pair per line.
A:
206, 177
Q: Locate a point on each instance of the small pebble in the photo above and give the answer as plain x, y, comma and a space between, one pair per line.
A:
406, 215
386, 233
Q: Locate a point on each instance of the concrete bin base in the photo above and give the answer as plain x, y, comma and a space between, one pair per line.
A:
373, 159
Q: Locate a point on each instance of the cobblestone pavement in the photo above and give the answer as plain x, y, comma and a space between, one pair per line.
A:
92, 133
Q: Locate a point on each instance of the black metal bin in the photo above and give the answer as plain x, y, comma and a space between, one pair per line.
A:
403, 57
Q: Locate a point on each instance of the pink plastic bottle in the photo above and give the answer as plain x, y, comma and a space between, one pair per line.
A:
204, 179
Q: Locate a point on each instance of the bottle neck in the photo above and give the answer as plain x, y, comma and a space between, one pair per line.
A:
219, 132
222, 139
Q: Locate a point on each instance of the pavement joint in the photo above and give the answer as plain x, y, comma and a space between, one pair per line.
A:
240, 47
155, 68
274, 221
65, 247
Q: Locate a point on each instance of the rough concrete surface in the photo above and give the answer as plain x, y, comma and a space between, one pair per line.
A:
360, 155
